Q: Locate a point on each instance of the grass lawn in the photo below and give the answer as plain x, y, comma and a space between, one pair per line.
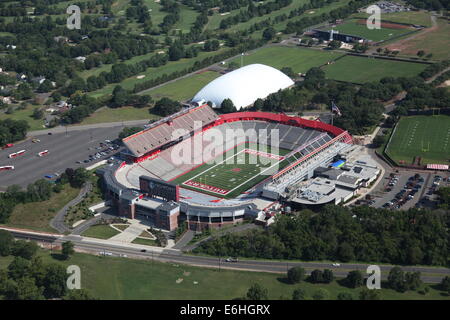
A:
37, 215
425, 136
299, 59
119, 114
353, 27
233, 172
26, 115
183, 89
153, 73
145, 242
361, 69
121, 227
100, 231
412, 17
123, 278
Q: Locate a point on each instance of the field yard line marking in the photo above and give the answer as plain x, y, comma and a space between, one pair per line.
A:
215, 165
254, 177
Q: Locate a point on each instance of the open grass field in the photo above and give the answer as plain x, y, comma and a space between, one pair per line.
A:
412, 17
145, 242
234, 171
122, 278
427, 137
183, 89
37, 215
119, 114
435, 41
26, 115
153, 73
101, 231
361, 69
356, 28
299, 59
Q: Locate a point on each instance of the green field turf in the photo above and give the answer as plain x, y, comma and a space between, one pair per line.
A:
233, 172
352, 27
410, 17
299, 59
427, 137
183, 89
123, 278
361, 69
101, 232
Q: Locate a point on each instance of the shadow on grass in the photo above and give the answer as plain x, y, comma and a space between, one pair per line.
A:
284, 280
58, 256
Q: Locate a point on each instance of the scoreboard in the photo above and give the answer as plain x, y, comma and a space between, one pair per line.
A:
159, 188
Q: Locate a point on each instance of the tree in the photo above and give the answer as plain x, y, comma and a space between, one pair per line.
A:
28, 290
420, 53
6, 243
328, 276
299, 294
257, 292
79, 178
165, 107
18, 268
335, 44
316, 276
367, 294
79, 294
413, 281
396, 279
289, 72
119, 97
24, 249
269, 33
55, 281
67, 249
345, 252
354, 279
295, 274
378, 141
344, 296
321, 294
445, 284
38, 114
227, 106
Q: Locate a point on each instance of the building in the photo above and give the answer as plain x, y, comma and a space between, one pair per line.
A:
139, 185
244, 86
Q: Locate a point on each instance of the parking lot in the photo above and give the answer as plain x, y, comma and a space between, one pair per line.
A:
65, 150
407, 189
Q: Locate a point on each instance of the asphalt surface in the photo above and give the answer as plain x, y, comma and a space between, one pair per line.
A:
64, 149
428, 274
58, 221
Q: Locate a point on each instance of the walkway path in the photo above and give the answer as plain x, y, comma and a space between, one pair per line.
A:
58, 221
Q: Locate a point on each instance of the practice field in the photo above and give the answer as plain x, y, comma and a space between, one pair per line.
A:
357, 27
299, 59
427, 137
361, 69
183, 89
235, 171
408, 17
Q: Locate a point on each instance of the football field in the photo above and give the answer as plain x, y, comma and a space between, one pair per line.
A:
235, 171
427, 137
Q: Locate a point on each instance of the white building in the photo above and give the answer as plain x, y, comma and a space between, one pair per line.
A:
244, 85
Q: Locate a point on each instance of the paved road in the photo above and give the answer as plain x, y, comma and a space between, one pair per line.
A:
64, 150
58, 221
429, 274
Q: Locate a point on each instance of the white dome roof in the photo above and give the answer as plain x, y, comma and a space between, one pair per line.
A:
244, 85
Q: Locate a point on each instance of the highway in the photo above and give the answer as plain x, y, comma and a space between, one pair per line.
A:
429, 274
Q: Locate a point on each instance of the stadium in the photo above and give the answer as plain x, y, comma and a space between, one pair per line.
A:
212, 170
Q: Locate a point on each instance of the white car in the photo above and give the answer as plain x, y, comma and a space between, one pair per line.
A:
336, 264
